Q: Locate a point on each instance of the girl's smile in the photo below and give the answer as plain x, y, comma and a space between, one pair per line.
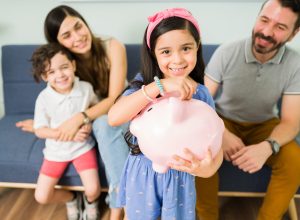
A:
176, 53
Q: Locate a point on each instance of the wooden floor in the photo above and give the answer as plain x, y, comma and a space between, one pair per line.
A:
19, 204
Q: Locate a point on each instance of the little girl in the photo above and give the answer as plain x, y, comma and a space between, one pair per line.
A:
172, 53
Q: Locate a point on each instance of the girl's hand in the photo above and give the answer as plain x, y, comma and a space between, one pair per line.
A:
192, 165
70, 127
83, 133
185, 87
26, 125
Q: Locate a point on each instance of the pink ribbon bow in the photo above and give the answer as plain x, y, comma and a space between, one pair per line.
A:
154, 20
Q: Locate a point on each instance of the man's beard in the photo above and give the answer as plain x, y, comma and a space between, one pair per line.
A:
264, 50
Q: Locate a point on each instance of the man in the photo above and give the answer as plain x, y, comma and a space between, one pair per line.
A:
254, 74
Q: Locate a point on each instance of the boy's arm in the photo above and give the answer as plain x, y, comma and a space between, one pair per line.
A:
46, 132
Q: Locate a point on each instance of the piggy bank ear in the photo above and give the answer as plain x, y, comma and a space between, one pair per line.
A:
176, 110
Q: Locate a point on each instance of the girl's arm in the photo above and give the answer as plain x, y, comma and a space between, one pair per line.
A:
128, 107
118, 69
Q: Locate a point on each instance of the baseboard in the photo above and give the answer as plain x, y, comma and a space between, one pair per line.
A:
80, 188
33, 186
247, 194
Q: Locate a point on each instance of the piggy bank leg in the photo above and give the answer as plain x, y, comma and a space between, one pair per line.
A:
159, 168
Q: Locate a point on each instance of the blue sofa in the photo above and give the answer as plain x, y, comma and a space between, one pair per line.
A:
21, 152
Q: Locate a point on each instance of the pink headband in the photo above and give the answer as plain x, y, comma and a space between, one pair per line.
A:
154, 20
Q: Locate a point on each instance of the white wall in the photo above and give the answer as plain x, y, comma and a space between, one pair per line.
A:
21, 22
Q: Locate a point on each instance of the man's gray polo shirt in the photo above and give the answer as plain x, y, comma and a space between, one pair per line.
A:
251, 90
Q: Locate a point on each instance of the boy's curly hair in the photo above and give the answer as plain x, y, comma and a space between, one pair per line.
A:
41, 58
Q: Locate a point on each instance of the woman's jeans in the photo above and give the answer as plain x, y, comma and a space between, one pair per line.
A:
114, 151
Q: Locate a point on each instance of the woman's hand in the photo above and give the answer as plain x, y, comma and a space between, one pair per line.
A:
70, 127
83, 133
184, 86
192, 165
26, 125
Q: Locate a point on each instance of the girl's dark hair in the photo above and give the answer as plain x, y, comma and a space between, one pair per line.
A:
97, 73
41, 58
150, 67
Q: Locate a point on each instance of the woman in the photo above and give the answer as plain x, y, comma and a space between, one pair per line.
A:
102, 62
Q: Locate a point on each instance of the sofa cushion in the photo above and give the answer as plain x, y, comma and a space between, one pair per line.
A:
21, 155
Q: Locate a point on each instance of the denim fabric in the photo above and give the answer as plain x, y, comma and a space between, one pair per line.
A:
114, 151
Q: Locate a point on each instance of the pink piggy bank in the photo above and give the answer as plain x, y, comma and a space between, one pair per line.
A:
166, 127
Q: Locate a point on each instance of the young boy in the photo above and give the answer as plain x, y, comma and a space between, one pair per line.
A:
64, 96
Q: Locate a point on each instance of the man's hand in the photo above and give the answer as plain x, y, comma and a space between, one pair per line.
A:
231, 144
251, 158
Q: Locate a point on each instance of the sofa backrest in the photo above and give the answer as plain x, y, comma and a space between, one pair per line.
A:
20, 89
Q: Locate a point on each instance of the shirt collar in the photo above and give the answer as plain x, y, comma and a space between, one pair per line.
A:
251, 59
59, 98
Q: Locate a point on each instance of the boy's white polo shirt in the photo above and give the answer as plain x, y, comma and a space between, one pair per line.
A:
53, 108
